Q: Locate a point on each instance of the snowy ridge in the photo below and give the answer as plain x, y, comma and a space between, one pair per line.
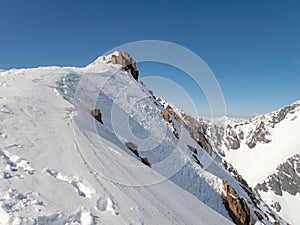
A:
281, 190
257, 147
60, 166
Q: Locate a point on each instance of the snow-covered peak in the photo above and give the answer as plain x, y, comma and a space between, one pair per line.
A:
103, 59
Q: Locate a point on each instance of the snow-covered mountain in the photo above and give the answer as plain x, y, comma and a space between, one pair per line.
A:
265, 151
93, 146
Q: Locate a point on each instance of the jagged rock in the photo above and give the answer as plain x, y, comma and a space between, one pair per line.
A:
176, 117
169, 107
192, 149
193, 127
286, 178
146, 161
233, 172
96, 113
260, 134
276, 206
197, 161
203, 142
127, 63
232, 140
262, 187
133, 147
237, 207
165, 115
175, 132
259, 216
241, 135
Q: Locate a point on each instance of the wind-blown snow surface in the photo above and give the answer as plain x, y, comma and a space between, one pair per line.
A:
60, 166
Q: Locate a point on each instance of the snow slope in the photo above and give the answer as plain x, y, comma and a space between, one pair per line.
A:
60, 166
47, 181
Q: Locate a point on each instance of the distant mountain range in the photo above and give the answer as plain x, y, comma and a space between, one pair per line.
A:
265, 151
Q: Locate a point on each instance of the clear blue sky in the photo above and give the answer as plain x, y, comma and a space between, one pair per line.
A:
253, 47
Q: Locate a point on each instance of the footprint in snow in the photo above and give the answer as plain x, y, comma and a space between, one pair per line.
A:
105, 204
82, 189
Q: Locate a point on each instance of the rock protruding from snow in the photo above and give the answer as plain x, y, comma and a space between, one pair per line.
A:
237, 207
132, 147
188, 122
124, 59
286, 178
96, 113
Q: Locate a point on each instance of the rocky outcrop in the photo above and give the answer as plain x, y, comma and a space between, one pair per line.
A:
146, 161
124, 59
276, 206
188, 122
260, 134
233, 172
96, 113
286, 178
134, 148
192, 149
174, 114
237, 207
232, 139
175, 132
192, 126
165, 115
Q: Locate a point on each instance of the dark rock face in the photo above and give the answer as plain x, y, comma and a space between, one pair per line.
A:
96, 113
259, 216
233, 172
192, 149
165, 115
127, 63
133, 147
286, 178
232, 139
146, 162
193, 127
175, 132
237, 207
260, 134
276, 206
174, 114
